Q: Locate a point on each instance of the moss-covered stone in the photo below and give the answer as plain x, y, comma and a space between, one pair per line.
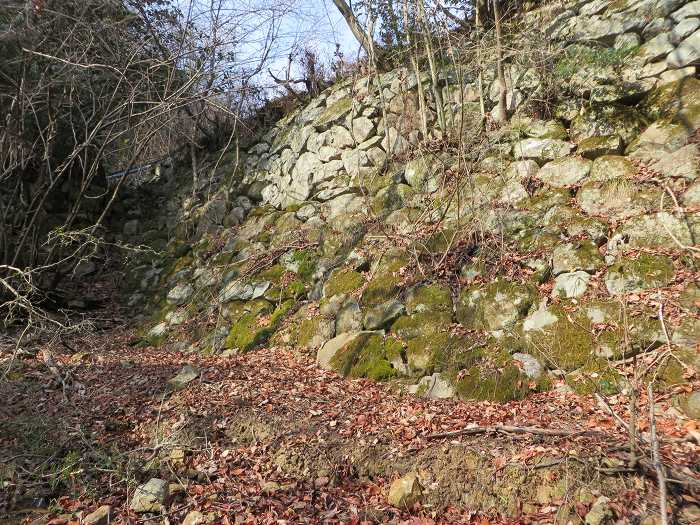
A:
392, 197
497, 306
334, 112
596, 377
314, 332
571, 257
368, 355
493, 377
617, 198
633, 275
661, 229
375, 359
303, 264
342, 281
612, 167
251, 330
432, 297
559, 339
668, 99
421, 324
387, 279
597, 146
607, 119
546, 198
623, 334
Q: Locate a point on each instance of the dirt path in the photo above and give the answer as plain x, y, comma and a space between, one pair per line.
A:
267, 437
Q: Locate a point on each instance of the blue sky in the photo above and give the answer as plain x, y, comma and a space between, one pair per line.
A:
298, 24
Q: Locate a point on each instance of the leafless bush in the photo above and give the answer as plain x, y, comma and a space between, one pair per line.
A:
92, 86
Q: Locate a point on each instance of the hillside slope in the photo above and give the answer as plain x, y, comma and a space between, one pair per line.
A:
363, 304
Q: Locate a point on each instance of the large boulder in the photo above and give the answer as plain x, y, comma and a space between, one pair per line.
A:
633, 275
497, 306
688, 52
405, 491
617, 199
566, 171
682, 163
600, 120
579, 256
661, 229
150, 497
541, 150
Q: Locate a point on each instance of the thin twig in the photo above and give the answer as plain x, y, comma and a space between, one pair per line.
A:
509, 429
658, 466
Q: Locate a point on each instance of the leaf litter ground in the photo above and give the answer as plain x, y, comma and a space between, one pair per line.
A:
268, 437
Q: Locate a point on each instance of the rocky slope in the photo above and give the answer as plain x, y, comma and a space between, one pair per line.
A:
540, 255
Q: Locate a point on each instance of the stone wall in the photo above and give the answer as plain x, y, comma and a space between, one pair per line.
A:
543, 265
341, 139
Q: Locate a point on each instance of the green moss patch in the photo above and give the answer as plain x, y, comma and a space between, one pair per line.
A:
497, 306
492, 377
596, 377
386, 282
343, 281
559, 339
252, 329
369, 355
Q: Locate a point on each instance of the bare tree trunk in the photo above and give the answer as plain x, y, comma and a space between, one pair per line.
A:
500, 112
479, 22
363, 38
422, 109
439, 106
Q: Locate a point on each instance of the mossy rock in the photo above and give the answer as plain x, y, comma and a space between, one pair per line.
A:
430, 298
497, 306
301, 262
179, 264
597, 146
438, 242
661, 229
560, 339
667, 100
422, 323
582, 255
234, 310
623, 335
368, 355
643, 272
546, 198
342, 281
675, 368
273, 273
294, 289
251, 330
392, 197
375, 359
493, 377
314, 332
612, 167
386, 281
600, 120
595, 377
535, 240
334, 112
